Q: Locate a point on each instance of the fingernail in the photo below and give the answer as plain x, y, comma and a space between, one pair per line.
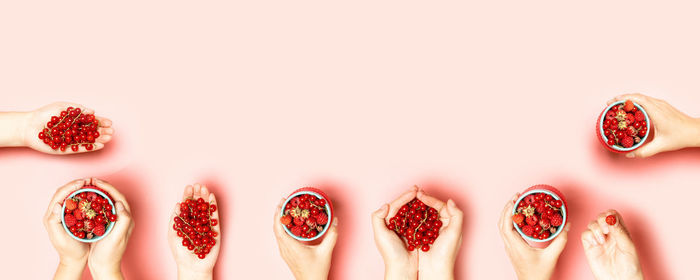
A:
120, 206
600, 239
630, 155
335, 221
383, 207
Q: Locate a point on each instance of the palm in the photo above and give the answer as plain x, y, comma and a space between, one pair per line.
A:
183, 256
444, 247
37, 122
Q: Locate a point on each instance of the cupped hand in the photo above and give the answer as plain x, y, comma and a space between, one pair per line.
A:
399, 263
189, 266
673, 130
529, 262
37, 119
609, 249
306, 261
72, 253
439, 261
106, 254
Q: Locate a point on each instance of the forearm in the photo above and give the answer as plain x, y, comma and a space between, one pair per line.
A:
12, 126
69, 271
391, 273
185, 274
694, 132
106, 273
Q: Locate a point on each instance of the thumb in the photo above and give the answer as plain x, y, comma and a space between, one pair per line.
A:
121, 227
456, 217
619, 232
379, 218
329, 241
649, 149
557, 246
53, 223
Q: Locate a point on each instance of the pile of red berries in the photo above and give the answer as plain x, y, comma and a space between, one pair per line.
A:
539, 215
195, 225
625, 125
88, 215
305, 215
71, 128
418, 224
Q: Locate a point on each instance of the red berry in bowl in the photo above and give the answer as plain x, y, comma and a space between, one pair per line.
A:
88, 214
306, 214
541, 216
622, 127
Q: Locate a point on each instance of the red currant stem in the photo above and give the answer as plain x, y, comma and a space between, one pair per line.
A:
421, 223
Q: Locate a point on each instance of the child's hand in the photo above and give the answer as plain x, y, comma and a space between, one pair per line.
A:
106, 255
399, 263
73, 254
609, 249
529, 262
37, 119
439, 261
673, 130
189, 266
312, 262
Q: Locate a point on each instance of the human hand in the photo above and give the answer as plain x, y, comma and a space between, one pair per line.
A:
73, 254
673, 130
609, 249
306, 261
399, 263
106, 255
528, 262
439, 261
189, 265
36, 121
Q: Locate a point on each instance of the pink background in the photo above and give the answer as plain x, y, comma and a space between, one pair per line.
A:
472, 101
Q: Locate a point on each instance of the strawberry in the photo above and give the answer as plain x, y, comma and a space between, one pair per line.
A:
628, 105
321, 218
286, 219
627, 142
296, 231
639, 116
518, 218
531, 220
70, 220
528, 230
71, 204
556, 220
99, 230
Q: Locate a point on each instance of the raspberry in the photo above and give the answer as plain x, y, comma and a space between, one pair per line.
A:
531, 220
298, 221
79, 215
627, 142
639, 116
99, 230
528, 230
611, 220
296, 231
544, 222
321, 218
70, 220
556, 220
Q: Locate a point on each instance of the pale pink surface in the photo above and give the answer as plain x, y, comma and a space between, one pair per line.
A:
364, 99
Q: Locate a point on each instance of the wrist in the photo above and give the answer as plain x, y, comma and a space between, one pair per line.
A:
70, 269
312, 275
12, 128
694, 127
184, 273
436, 273
400, 272
106, 272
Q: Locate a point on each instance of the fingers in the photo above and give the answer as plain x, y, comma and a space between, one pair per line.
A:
188, 193
649, 149
635, 97
430, 201
105, 134
53, 220
557, 246
331, 237
505, 223
118, 196
124, 221
277, 225
215, 215
104, 122
599, 236
401, 200
456, 217
379, 219
63, 192
588, 240
172, 233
